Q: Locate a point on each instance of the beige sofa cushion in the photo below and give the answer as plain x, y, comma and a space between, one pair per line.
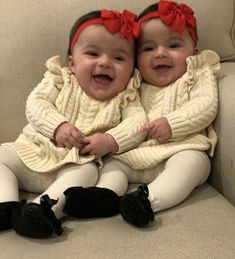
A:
37, 30
202, 227
217, 34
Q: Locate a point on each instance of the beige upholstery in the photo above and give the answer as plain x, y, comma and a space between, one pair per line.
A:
203, 226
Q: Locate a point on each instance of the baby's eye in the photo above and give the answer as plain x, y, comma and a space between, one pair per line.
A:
174, 45
119, 58
91, 53
147, 48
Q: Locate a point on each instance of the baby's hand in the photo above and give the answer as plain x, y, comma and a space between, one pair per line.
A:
68, 136
158, 129
99, 145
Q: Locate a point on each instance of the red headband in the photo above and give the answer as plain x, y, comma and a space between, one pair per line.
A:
176, 16
114, 22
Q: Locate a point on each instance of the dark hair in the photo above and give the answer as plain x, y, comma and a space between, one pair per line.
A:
79, 22
149, 9
153, 8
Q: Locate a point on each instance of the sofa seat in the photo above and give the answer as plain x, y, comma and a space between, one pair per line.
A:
200, 227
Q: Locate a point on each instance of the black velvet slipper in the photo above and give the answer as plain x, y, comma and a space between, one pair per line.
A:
91, 202
36, 220
6, 211
135, 207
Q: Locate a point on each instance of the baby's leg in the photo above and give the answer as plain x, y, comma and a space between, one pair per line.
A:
8, 185
183, 172
39, 219
9, 193
9, 165
112, 176
69, 176
25, 178
101, 200
172, 181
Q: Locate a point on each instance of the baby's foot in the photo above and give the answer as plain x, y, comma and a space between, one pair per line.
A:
135, 207
36, 220
90, 202
6, 211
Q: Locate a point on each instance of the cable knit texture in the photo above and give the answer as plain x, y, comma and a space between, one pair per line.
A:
59, 98
189, 104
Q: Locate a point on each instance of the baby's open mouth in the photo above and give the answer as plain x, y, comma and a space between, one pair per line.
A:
162, 67
102, 79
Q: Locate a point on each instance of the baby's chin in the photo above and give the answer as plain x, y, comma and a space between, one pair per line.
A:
162, 81
158, 83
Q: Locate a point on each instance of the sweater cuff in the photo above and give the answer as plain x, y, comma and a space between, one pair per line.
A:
123, 140
179, 125
48, 128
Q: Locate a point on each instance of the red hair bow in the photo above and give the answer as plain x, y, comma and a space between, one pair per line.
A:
121, 22
125, 23
176, 16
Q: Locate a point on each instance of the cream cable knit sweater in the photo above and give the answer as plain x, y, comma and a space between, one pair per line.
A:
59, 98
189, 104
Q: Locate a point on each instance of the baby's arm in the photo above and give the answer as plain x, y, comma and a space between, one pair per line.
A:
127, 133
42, 112
201, 109
123, 137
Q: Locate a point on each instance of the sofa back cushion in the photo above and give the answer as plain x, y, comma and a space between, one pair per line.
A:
37, 30
216, 25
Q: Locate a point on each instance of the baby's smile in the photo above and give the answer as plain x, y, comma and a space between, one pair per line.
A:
102, 79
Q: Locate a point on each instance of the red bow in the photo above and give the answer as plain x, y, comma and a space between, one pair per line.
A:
176, 16
114, 22
121, 22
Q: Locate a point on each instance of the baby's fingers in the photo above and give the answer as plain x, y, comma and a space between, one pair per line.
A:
77, 134
145, 128
85, 140
85, 150
75, 142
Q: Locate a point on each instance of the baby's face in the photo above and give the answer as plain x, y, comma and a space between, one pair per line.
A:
162, 54
102, 62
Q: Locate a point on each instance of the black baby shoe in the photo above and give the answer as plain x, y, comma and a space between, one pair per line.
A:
135, 207
90, 202
6, 211
36, 220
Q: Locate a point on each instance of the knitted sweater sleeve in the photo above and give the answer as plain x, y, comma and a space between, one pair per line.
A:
197, 113
127, 134
41, 112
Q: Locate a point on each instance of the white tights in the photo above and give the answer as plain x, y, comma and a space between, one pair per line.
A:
14, 175
169, 183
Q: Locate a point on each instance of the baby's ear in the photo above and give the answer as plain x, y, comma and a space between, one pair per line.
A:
71, 63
